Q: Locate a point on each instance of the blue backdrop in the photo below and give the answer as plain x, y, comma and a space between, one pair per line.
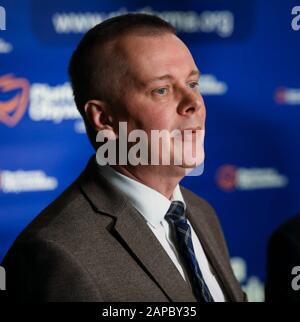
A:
248, 52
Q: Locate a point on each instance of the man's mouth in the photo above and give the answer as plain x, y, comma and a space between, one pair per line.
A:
192, 129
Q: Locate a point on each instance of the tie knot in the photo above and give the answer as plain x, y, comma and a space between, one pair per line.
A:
175, 212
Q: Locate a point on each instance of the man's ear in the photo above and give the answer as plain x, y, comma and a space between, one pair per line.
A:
97, 114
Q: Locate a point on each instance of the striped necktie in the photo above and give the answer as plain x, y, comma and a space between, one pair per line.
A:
177, 220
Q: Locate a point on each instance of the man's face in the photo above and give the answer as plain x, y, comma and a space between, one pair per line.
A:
160, 90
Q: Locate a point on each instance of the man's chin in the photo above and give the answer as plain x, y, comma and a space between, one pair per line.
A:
186, 169
191, 163
197, 170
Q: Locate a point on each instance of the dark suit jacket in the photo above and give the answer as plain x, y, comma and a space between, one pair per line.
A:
283, 255
91, 244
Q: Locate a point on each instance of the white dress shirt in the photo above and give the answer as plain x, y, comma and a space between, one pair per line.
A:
153, 206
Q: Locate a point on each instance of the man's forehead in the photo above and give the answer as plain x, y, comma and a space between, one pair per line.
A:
156, 57
160, 77
146, 46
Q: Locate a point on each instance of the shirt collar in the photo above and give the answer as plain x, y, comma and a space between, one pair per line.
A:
150, 203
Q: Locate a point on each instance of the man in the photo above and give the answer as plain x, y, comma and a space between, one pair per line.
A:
124, 232
283, 264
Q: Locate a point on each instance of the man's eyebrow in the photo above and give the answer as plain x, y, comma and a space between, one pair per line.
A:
194, 72
163, 77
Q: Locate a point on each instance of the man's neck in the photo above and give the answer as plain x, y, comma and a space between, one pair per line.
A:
159, 178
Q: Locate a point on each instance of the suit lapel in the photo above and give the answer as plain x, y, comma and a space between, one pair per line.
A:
135, 233
140, 239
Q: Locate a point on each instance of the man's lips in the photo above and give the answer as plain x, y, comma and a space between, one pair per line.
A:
188, 131
193, 129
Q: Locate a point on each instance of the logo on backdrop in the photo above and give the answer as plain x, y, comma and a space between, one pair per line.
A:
52, 103
5, 46
296, 20
2, 19
220, 22
14, 95
287, 96
211, 20
26, 181
252, 284
46, 103
210, 85
230, 178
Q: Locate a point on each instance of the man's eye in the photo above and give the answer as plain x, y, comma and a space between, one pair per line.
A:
161, 91
194, 85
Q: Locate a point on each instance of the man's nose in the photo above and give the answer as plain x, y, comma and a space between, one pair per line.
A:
191, 102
